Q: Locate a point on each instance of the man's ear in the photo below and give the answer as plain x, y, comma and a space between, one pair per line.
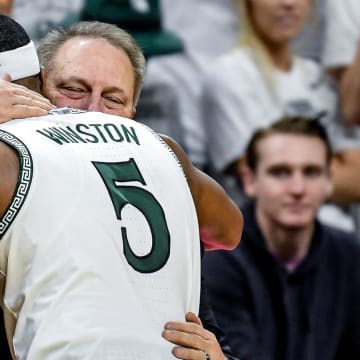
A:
42, 81
133, 112
245, 176
249, 181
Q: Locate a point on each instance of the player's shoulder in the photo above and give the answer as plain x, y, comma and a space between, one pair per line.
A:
9, 171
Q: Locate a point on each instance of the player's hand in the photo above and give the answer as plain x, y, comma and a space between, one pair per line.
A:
16, 101
192, 341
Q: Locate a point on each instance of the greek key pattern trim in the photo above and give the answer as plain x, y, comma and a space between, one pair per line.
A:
24, 179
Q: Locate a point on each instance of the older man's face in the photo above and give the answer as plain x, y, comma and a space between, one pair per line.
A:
92, 74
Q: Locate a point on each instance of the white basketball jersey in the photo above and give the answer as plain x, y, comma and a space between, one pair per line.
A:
100, 245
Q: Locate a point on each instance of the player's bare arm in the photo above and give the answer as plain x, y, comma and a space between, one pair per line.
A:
9, 170
220, 220
345, 170
6, 7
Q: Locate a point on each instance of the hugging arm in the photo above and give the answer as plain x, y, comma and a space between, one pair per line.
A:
16, 101
220, 219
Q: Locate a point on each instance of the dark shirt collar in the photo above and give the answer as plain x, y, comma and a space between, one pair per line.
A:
253, 237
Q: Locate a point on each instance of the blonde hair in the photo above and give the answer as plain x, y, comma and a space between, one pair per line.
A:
250, 39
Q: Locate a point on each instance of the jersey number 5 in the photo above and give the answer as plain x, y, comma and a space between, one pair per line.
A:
113, 174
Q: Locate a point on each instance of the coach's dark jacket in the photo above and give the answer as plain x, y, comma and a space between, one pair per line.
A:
270, 314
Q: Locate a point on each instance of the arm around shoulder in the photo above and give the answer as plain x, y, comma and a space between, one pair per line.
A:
220, 219
16, 101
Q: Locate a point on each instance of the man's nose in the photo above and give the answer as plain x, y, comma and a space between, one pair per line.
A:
287, 2
95, 103
297, 184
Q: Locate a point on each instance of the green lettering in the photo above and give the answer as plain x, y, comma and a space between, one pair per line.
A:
54, 134
97, 127
111, 129
91, 137
72, 135
130, 134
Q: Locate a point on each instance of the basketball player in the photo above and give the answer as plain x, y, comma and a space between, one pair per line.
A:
99, 230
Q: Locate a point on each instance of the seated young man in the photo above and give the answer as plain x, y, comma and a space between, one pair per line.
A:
291, 289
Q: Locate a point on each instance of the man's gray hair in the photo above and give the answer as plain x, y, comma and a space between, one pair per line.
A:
97, 30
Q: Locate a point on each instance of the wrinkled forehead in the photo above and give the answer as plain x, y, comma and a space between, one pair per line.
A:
80, 46
94, 60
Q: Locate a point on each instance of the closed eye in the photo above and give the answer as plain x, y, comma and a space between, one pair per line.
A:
113, 102
73, 92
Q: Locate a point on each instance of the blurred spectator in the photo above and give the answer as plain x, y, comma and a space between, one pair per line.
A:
310, 41
207, 28
341, 58
291, 289
39, 16
259, 82
342, 53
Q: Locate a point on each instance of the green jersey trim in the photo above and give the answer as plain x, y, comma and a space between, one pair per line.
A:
23, 182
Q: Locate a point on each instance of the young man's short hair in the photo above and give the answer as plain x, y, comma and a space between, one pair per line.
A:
311, 127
